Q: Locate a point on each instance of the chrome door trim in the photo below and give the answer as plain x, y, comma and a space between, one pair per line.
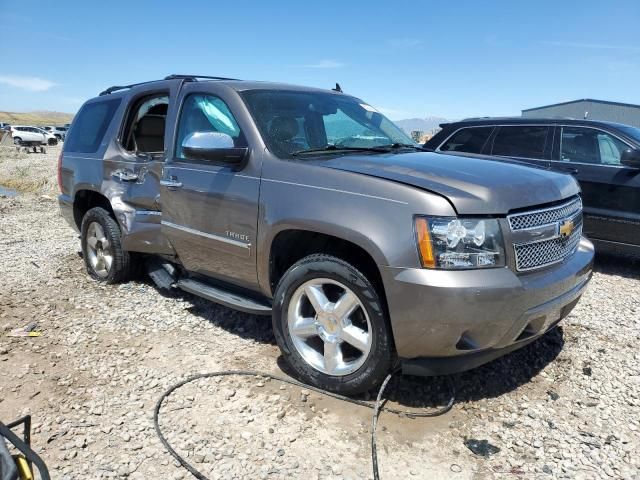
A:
210, 236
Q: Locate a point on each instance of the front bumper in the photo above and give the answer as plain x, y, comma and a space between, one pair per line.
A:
449, 321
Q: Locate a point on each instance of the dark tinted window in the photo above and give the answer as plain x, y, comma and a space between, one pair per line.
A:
90, 126
587, 145
469, 140
521, 141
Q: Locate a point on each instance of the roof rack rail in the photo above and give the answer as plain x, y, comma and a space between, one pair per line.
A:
194, 78
190, 78
115, 88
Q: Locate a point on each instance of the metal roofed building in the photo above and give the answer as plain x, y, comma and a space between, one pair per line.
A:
590, 109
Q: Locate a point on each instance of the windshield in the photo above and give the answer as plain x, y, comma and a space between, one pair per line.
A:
292, 122
633, 132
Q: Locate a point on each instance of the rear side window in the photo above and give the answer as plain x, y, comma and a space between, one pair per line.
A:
468, 140
528, 142
90, 126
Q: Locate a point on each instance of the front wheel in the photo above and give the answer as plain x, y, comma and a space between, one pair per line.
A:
331, 327
104, 257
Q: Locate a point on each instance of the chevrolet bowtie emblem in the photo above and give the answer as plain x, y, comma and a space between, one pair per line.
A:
566, 228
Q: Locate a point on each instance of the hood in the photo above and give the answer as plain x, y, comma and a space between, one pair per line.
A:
473, 185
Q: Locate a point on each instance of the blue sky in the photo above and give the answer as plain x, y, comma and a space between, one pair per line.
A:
409, 59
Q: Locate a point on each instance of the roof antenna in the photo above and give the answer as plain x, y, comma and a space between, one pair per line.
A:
338, 88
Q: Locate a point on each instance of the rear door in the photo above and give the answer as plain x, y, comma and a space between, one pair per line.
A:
27, 134
610, 190
210, 209
528, 143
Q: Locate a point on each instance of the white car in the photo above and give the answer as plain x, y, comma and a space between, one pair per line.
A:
25, 134
59, 132
52, 139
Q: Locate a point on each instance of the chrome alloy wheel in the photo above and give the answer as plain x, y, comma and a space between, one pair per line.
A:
329, 327
99, 251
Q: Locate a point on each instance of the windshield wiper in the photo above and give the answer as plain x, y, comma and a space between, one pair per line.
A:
336, 148
398, 146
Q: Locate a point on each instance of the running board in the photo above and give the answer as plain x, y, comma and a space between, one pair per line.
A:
224, 297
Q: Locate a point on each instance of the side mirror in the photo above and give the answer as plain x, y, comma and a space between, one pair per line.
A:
630, 158
213, 146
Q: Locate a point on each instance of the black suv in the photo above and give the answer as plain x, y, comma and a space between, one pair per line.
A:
603, 156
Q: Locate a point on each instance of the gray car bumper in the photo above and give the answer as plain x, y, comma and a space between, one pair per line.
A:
449, 321
66, 210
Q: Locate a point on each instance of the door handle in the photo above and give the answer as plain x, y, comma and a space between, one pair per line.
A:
171, 184
570, 170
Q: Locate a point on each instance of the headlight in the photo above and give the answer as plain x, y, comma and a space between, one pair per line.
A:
459, 243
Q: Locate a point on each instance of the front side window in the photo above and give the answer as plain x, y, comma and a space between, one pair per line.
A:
292, 121
587, 145
521, 141
207, 113
468, 140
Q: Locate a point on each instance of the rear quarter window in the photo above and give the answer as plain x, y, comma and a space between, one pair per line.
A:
90, 126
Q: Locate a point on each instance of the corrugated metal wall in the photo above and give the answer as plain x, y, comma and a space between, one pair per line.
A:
597, 111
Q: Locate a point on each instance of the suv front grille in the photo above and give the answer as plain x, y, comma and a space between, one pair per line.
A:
546, 252
536, 218
561, 227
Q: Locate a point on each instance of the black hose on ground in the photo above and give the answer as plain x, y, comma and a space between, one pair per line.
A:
377, 408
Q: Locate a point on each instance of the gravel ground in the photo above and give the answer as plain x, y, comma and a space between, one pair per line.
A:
566, 406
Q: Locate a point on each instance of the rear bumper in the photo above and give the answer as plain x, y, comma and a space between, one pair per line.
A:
66, 210
450, 321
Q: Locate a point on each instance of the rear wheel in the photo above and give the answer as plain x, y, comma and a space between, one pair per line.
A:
331, 327
17, 140
104, 257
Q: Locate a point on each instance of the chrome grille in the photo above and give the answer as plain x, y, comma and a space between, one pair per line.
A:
546, 252
536, 218
539, 232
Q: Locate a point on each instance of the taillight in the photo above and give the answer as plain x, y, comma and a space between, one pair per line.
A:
60, 172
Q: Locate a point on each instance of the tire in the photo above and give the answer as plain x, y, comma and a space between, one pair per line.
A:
311, 342
99, 224
17, 140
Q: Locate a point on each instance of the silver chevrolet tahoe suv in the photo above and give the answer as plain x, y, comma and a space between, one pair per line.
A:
312, 207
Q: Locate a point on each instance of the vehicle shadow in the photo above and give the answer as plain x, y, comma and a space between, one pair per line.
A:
491, 380
622, 265
244, 325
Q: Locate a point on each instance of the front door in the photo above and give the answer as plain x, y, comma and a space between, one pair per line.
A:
210, 209
610, 190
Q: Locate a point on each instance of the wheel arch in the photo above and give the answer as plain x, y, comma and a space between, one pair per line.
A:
292, 244
86, 199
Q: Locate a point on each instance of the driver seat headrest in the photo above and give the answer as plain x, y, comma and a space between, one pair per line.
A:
283, 128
